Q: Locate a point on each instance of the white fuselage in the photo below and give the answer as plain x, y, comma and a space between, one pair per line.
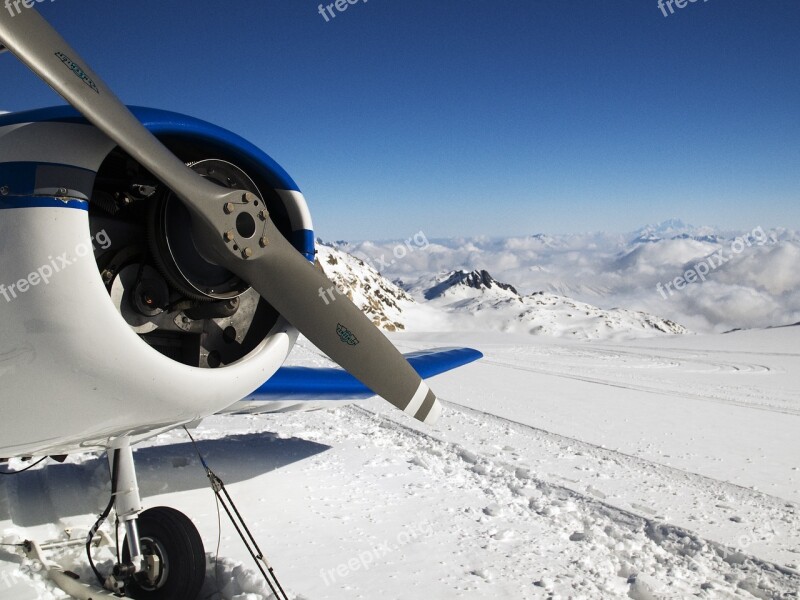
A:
73, 374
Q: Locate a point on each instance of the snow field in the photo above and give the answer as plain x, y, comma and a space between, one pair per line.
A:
559, 470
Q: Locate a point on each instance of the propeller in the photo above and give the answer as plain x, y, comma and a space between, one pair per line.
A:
232, 228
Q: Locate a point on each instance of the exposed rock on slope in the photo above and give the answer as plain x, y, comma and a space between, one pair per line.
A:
476, 300
379, 298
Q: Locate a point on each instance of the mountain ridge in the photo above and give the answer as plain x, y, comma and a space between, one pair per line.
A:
475, 300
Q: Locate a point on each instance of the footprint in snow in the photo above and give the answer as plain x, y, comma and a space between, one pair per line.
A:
420, 462
468, 457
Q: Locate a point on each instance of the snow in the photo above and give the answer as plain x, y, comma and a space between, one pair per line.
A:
666, 467
475, 301
381, 301
594, 453
758, 285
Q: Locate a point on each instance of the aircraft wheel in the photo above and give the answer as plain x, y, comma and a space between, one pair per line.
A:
170, 535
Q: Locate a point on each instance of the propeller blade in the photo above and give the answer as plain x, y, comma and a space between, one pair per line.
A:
28, 36
330, 320
273, 267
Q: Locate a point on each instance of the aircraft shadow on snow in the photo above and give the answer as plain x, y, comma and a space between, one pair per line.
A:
47, 495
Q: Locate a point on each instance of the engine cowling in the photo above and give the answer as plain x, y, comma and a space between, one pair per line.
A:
113, 322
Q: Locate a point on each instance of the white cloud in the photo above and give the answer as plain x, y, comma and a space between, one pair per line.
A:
757, 286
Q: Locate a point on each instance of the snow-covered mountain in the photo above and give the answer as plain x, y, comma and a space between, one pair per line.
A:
456, 281
751, 279
475, 301
672, 229
379, 298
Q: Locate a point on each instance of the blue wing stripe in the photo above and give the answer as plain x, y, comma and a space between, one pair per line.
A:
305, 383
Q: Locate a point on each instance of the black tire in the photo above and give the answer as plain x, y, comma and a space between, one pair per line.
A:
172, 536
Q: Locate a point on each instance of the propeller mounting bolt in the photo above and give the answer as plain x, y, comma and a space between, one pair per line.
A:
247, 252
263, 215
264, 242
229, 208
229, 235
248, 197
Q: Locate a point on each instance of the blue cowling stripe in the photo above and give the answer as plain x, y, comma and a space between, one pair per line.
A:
304, 238
164, 123
161, 122
20, 178
41, 202
304, 383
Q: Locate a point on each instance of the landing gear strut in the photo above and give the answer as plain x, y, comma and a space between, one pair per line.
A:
163, 556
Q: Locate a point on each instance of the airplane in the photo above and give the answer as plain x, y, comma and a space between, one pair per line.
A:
157, 270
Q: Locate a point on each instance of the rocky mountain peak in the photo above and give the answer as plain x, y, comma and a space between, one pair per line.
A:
478, 280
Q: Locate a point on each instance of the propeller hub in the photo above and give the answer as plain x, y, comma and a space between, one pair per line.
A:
178, 253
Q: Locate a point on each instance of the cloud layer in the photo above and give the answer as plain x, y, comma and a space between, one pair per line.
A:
741, 279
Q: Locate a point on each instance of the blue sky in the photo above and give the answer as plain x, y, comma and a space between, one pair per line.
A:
473, 117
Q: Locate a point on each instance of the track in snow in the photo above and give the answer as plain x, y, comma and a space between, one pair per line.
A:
644, 388
652, 559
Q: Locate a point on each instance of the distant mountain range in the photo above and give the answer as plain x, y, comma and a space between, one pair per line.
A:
754, 281
475, 301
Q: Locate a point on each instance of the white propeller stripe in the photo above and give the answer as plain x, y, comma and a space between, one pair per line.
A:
434, 414
418, 399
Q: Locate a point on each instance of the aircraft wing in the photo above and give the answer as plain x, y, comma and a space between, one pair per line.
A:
308, 388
